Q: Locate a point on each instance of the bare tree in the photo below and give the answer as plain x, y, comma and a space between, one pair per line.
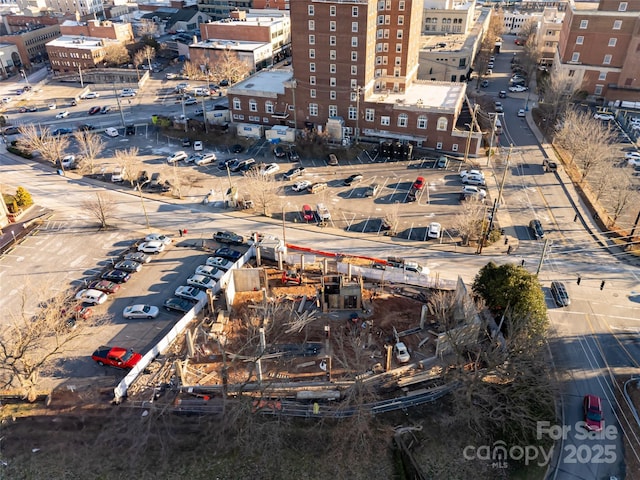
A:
559, 91
262, 189
138, 59
130, 162
116, 54
622, 193
469, 221
30, 343
229, 67
91, 146
149, 54
102, 208
528, 29
192, 70
51, 147
603, 178
147, 28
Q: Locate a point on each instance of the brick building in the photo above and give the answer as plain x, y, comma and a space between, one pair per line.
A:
221, 9
71, 54
600, 46
354, 75
30, 38
99, 29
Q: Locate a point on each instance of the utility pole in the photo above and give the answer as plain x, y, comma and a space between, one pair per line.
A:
544, 251
471, 126
204, 110
184, 114
294, 83
633, 231
119, 106
358, 89
493, 133
80, 73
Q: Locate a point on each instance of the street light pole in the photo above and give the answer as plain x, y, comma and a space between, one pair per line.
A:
119, 106
358, 90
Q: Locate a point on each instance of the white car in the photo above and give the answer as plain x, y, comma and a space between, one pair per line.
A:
140, 311
190, 293
270, 169
630, 155
198, 146
474, 180
178, 156
151, 247
521, 113
112, 132
52, 106
634, 162
606, 117
472, 190
518, 89
156, 237
128, 92
464, 173
90, 95
219, 262
94, 297
68, 161
301, 186
201, 282
434, 230
206, 159
323, 212
209, 271
64, 114
402, 354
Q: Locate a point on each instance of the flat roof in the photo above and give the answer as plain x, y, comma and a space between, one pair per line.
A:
452, 43
77, 41
264, 82
425, 94
220, 44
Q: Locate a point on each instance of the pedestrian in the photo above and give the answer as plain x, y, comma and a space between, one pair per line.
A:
522, 263
180, 232
575, 219
602, 285
579, 280
506, 240
509, 250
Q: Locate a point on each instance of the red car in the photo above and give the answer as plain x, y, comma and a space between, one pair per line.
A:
593, 412
94, 110
308, 213
104, 286
419, 183
116, 357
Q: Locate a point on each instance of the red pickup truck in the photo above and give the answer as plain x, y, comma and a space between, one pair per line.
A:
116, 357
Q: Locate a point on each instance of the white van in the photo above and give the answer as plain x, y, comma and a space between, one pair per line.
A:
118, 175
498, 126
112, 132
201, 92
323, 212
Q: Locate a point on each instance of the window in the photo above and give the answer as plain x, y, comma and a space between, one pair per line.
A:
312, 53
572, 73
598, 89
332, 68
403, 119
354, 27
422, 122
312, 93
313, 109
612, 42
454, 147
332, 40
354, 69
354, 56
332, 10
442, 124
398, 61
607, 60
312, 80
268, 107
332, 94
385, 121
575, 57
398, 48
332, 26
354, 96
354, 11
312, 39
401, 5
584, 24
354, 41
381, 5
332, 81
310, 10
622, 7
380, 19
253, 105
387, 19
369, 115
399, 34
312, 67
312, 25
333, 110
400, 19
332, 54
354, 84
236, 104
353, 113
380, 34
617, 25
378, 47
579, 40
602, 76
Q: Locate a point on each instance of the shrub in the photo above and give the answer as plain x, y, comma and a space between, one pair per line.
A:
10, 202
22, 153
23, 197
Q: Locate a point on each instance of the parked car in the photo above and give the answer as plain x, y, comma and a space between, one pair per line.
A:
293, 155
418, 184
151, 247
90, 95
106, 109
198, 145
118, 174
474, 180
105, 286
475, 172
237, 148
607, 117
323, 212
307, 213
220, 263
473, 191
442, 162
270, 169
201, 281
116, 357
116, 276
190, 101
294, 172
352, 179
128, 266
128, 92
190, 293
317, 187
177, 156
401, 352
91, 296
178, 304
231, 238
536, 228
301, 186
206, 159
242, 165
332, 160
68, 161
209, 271
518, 89
224, 164
137, 257
372, 190
28, 108
228, 253
434, 230
140, 311
156, 237
61, 131
86, 127
279, 152
112, 132
560, 294
94, 110
64, 114
593, 417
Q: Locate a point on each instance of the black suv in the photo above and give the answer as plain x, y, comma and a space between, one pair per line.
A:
228, 237
536, 228
560, 294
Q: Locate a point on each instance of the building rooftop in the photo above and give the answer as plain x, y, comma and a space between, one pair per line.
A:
426, 94
239, 45
256, 18
76, 41
265, 82
439, 43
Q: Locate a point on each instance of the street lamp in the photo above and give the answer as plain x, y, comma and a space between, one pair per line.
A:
144, 208
358, 90
4, 71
